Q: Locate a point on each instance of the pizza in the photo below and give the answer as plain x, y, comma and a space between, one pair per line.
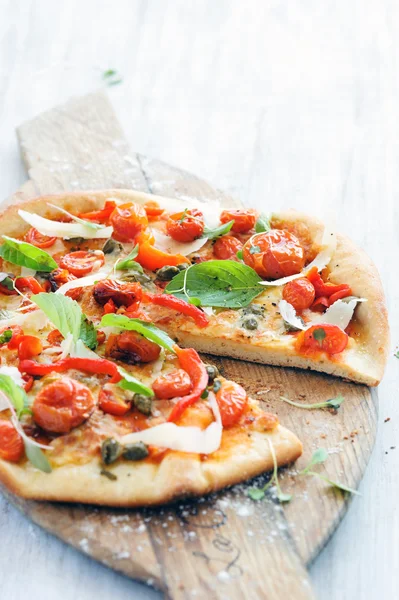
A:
99, 403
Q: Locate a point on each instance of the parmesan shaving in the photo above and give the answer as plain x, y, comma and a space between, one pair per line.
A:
63, 230
340, 313
287, 311
82, 282
167, 244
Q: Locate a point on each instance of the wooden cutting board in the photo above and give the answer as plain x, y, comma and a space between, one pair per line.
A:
225, 546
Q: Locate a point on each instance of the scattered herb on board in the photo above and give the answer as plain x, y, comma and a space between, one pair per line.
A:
334, 403
319, 457
259, 493
112, 77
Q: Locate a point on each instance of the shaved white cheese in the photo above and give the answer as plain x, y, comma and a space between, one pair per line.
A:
328, 246
79, 350
183, 439
63, 230
82, 282
167, 244
287, 311
14, 373
340, 313
208, 310
26, 272
5, 404
35, 319
211, 209
158, 364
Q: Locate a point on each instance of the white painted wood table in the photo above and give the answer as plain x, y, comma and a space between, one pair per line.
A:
281, 103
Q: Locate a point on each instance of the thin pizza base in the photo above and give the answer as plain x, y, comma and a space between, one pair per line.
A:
143, 484
363, 362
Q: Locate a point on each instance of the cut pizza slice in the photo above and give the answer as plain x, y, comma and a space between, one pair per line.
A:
118, 414
284, 290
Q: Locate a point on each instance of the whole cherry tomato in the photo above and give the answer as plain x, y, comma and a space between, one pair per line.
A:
322, 338
174, 384
128, 220
35, 238
131, 347
274, 254
300, 293
244, 219
11, 443
110, 403
226, 247
62, 405
121, 294
29, 346
81, 263
185, 226
232, 400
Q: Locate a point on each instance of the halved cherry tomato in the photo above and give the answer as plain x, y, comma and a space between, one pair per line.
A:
191, 363
35, 238
325, 338
131, 347
80, 263
151, 258
11, 443
28, 379
274, 254
111, 404
29, 346
186, 226
153, 210
121, 294
300, 293
101, 216
326, 288
180, 305
29, 282
17, 334
226, 247
344, 293
62, 405
174, 384
232, 400
128, 220
55, 337
244, 219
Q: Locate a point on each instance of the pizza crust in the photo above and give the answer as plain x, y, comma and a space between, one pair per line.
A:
144, 483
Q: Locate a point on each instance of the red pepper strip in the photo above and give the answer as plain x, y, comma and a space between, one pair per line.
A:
29, 282
326, 289
90, 365
177, 304
320, 304
100, 215
338, 295
193, 365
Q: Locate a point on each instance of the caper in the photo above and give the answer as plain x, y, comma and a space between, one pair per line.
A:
112, 245
253, 309
142, 403
139, 277
183, 266
212, 372
136, 451
217, 384
110, 451
250, 323
167, 273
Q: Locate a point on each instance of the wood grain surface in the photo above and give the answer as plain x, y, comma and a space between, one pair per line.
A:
227, 545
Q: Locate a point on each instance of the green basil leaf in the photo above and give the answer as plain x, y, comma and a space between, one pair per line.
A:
88, 333
63, 312
148, 330
129, 262
6, 281
5, 336
211, 234
240, 255
16, 395
262, 225
134, 385
219, 283
37, 457
26, 255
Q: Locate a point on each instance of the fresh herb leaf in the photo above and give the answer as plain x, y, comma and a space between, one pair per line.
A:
109, 73
335, 484
16, 395
319, 456
5, 336
396, 354
37, 457
204, 394
240, 255
26, 255
63, 312
84, 222
195, 301
129, 262
259, 493
256, 493
88, 333
223, 283
254, 249
184, 215
6, 281
111, 77
131, 383
332, 403
148, 330
211, 234
262, 225
319, 334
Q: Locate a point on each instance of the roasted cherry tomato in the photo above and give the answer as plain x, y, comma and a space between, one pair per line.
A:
17, 335
322, 338
81, 263
274, 254
232, 400
128, 220
11, 443
244, 219
185, 226
30, 283
101, 216
131, 347
29, 346
226, 247
300, 293
110, 403
37, 239
121, 294
153, 210
174, 384
55, 337
62, 405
